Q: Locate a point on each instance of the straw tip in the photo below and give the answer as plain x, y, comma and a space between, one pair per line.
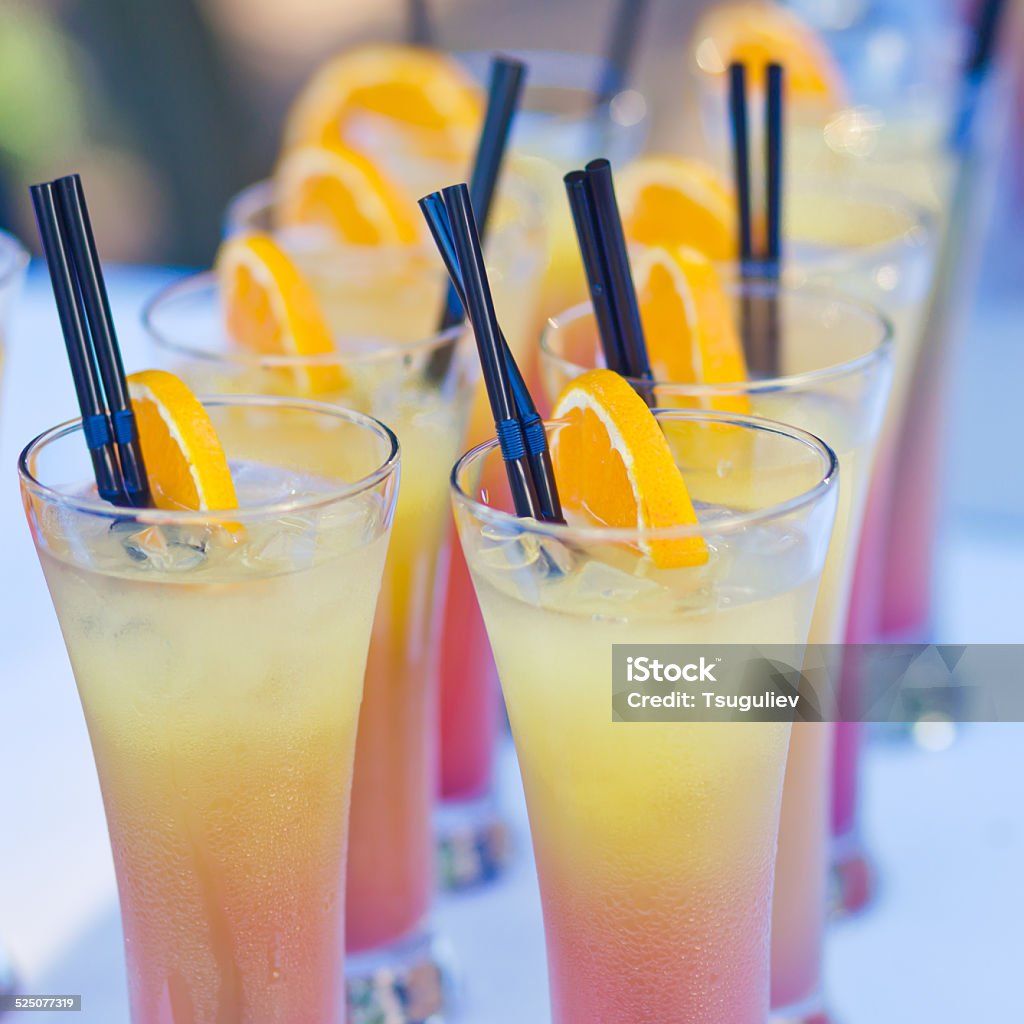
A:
599, 165
508, 64
457, 195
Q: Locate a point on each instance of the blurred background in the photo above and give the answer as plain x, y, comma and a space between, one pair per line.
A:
168, 107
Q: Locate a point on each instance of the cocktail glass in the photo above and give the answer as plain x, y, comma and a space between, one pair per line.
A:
890, 128
893, 588
835, 367
422, 386
472, 841
903, 70
654, 841
558, 127
219, 658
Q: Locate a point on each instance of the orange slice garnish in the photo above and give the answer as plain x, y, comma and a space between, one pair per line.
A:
673, 200
185, 462
334, 186
270, 308
688, 323
427, 92
761, 33
614, 466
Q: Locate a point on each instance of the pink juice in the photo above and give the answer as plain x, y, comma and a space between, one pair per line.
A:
907, 574
801, 879
469, 691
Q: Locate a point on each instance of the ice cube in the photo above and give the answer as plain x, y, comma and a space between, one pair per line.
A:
164, 548
506, 548
599, 583
287, 543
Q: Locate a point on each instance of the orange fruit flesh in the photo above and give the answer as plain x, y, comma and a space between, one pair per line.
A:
691, 339
343, 190
614, 467
324, 202
185, 462
664, 215
269, 308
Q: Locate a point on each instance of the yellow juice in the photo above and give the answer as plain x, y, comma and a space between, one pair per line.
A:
654, 841
221, 672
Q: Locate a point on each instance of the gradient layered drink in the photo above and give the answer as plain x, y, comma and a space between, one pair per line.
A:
361, 349
874, 104
654, 841
360, 149
560, 124
219, 657
868, 244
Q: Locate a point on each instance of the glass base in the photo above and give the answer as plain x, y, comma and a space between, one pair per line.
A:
472, 843
810, 1011
408, 982
852, 878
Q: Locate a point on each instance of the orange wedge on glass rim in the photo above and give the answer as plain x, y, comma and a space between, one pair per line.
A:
674, 200
185, 463
270, 309
688, 324
759, 33
336, 187
425, 91
614, 467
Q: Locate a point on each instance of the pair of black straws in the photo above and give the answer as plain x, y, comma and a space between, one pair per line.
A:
108, 422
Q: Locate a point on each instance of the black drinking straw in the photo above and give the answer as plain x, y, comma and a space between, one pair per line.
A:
602, 244
741, 157
581, 203
774, 149
95, 422
773, 169
612, 240
985, 36
984, 41
534, 434
620, 52
760, 333
507, 76
480, 308
82, 247
419, 30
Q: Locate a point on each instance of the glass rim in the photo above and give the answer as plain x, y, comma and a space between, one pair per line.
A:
11, 246
769, 385
267, 510
383, 348
920, 218
258, 197
583, 534
531, 55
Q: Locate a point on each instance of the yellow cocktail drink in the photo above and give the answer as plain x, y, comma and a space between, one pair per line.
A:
654, 841
422, 386
834, 367
220, 660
